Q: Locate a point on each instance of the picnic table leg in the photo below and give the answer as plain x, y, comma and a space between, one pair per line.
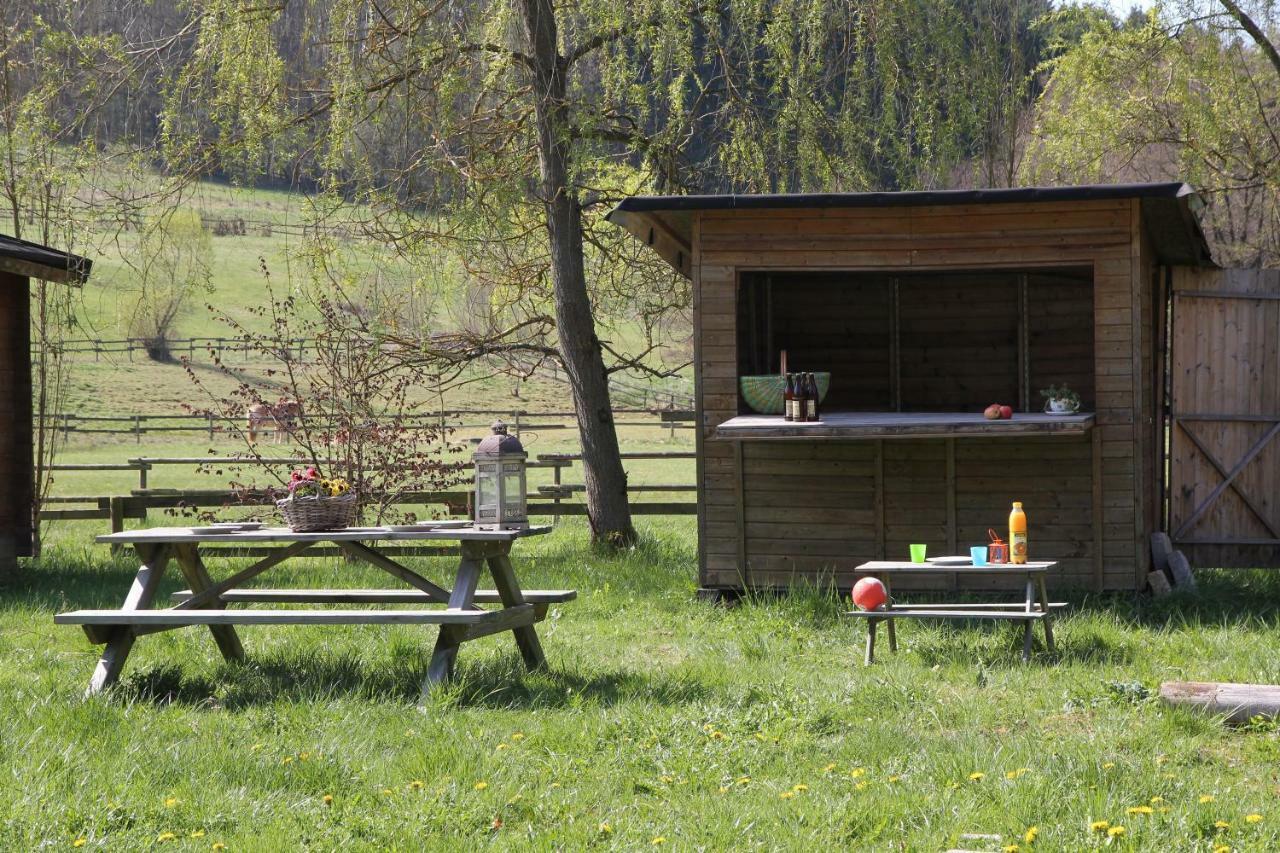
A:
193, 569
1048, 617
504, 580
153, 558
450, 637
870, 656
1026, 625
889, 623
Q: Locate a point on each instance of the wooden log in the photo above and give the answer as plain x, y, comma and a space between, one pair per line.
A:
1159, 583
1180, 569
1161, 550
1236, 703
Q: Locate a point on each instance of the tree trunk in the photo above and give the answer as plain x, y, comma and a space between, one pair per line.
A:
605, 480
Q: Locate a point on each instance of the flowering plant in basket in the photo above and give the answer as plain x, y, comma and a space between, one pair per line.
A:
317, 503
309, 484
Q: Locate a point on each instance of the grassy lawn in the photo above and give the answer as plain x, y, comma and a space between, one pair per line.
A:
661, 720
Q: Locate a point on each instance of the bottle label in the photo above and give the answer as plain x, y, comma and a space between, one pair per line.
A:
791, 410
1018, 547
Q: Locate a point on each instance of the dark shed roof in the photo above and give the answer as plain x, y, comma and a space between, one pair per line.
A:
36, 261
1169, 210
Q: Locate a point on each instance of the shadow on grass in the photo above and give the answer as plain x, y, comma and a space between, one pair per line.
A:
500, 683
70, 583
1000, 645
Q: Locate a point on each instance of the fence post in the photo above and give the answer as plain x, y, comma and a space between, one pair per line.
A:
137, 428
116, 512
209, 415
555, 478
516, 418
143, 468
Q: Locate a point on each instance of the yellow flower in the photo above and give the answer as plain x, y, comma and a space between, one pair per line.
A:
218, 845
1116, 831
1030, 835
1222, 848
605, 829
801, 787
197, 833
857, 772
659, 840
555, 785
480, 786
288, 759
1015, 774
1100, 826
666, 780
1157, 800
416, 784
723, 789
387, 792
977, 776
1010, 848
829, 767
860, 786
1221, 824
786, 795
744, 780
501, 746
303, 756
1252, 818
327, 799
1107, 765
717, 735
1139, 810
1161, 759
255, 747
518, 736
895, 778
165, 836
80, 842
170, 802
1206, 798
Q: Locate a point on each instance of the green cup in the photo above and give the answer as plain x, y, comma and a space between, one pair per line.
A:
917, 553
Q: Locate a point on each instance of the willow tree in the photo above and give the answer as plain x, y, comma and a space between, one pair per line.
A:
1191, 92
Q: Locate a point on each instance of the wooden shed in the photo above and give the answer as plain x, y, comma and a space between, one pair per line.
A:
20, 262
926, 307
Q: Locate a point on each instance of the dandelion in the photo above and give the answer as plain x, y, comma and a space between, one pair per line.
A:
1030, 835
555, 785
517, 736
759, 736
1161, 759
1252, 818
953, 785
197, 833
1016, 774
327, 799
659, 840
416, 784
1107, 765
303, 756
218, 845
606, 829
724, 789
80, 842
1011, 848
858, 772
977, 776
744, 780
1221, 825
255, 747
1133, 810
166, 836
829, 767
717, 735
1157, 800
786, 795
1116, 831
480, 786
895, 778
170, 802
800, 787
1206, 798
1100, 826
860, 786
386, 792
1222, 848
288, 759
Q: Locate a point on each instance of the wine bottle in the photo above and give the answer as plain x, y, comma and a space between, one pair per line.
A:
789, 399
813, 397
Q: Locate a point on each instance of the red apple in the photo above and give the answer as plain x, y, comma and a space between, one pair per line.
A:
1006, 412
992, 412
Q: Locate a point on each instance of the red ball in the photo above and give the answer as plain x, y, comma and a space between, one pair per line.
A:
869, 594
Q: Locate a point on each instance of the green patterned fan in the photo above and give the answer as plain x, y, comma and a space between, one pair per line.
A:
764, 393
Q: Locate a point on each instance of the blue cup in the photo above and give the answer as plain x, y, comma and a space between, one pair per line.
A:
979, 555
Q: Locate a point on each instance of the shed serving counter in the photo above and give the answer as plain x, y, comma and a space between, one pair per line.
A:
854, 425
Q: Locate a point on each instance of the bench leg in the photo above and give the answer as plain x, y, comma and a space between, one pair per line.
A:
870, 656
1026, 626
442, 658
1048, 617
449, 639
889, 623
504, 580
154, 559
197, 577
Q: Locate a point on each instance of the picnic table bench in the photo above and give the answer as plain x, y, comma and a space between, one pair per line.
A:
1035, 607
205, 602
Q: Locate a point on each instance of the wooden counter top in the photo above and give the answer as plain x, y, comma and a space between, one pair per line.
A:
854, 425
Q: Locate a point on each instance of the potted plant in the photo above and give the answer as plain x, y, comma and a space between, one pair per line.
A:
1060, 400
317, 503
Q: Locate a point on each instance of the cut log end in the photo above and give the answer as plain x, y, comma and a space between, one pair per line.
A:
1159, 583
1235, 703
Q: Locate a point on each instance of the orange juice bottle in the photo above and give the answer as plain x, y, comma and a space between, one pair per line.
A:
1017, 534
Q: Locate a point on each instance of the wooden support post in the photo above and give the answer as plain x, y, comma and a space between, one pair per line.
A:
869, 657
739, 504
188, 557
141, 594
115, 509
1099, 578
1024, 346
952, 535
504, 581
879, 506
895, 346
137, 429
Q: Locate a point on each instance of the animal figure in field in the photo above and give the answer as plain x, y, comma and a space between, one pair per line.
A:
282, 418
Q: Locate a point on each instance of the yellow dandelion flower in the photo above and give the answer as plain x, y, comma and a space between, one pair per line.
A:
1252, 818
555, 785
517, 735
829, 767
386, 792
860, 786
759, 736
255, 747
659, 840
605, 829
1206, 798
327, 799
1156, 800
303, 756
170, 802
1222, 848
166, 836
786, 795
1107, 765
218, 845
1011, 848
1030, 835
416, 784
800, 787
723, 789
953, 785
977, 776
744, 780
1161, 759
895, 778
480, 786
1116, 831
1017, 774
1221, 825
197, 833
288, 759
858, 772
1139, 810
1100, 826
502, 746
80, 842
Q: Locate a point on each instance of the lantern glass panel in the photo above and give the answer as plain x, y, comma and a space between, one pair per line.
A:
487, 491
513, 489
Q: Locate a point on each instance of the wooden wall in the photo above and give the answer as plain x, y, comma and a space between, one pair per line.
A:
16, 462
752, 493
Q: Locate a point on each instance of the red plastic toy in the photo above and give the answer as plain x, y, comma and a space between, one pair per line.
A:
869, 594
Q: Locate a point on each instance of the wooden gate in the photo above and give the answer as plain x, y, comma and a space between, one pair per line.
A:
1224, 442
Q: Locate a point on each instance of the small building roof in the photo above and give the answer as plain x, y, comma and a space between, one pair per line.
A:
33, 260
1169, 210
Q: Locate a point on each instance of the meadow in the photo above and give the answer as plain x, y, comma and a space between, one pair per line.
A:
662, 721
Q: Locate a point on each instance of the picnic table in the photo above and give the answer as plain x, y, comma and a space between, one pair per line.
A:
205, 603
1035, 607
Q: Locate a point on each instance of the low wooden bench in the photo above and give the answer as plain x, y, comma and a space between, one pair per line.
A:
1035, 607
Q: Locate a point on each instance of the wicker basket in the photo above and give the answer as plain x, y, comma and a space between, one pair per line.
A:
312, 514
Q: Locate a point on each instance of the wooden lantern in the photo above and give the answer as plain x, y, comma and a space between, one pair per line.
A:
500, 502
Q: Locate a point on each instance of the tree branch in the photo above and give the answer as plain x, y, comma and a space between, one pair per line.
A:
1255, 32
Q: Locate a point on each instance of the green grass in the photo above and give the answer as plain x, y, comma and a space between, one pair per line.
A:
660, 717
